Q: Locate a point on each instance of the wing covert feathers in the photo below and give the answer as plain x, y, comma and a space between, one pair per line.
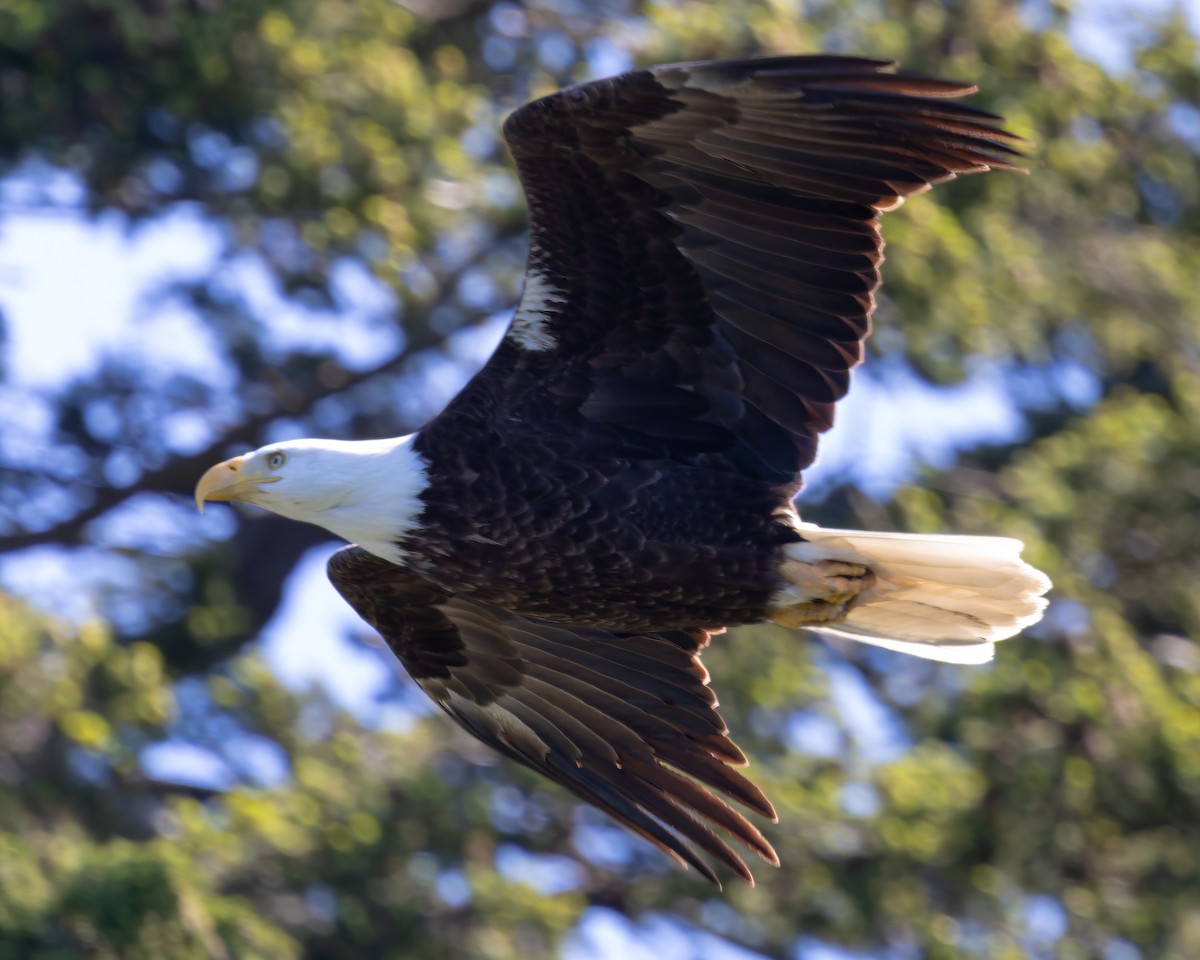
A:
718, 222
947, 598
626, 722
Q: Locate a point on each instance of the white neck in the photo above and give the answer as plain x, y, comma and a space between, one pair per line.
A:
365, 491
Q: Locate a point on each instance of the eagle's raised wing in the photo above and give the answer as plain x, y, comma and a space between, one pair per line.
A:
626, 722
705, 247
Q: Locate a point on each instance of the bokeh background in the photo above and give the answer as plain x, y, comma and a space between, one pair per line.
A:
224, 223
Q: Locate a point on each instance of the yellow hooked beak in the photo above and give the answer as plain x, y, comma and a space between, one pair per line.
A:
230, 480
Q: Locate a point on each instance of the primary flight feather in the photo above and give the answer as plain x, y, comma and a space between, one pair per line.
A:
549, 556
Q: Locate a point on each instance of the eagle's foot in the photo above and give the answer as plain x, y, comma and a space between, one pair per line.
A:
818, 592
815, 614
831, 581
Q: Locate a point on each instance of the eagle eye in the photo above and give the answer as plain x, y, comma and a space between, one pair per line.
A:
276, 460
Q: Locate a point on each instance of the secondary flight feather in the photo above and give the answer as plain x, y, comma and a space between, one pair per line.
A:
550, 555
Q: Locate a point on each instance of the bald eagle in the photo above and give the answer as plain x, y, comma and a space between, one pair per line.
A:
550, 555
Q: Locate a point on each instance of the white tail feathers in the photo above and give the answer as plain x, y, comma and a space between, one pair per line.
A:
944, 598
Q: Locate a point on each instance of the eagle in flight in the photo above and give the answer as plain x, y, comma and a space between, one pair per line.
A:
550, 555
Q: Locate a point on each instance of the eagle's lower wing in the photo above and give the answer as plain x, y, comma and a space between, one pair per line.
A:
628, 723
705, 245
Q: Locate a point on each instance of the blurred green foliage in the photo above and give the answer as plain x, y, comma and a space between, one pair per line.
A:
1048, 806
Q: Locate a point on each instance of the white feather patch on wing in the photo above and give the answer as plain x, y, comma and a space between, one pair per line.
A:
511, 729
530, 328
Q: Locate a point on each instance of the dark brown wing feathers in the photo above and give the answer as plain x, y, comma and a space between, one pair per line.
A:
725, 215
627, 723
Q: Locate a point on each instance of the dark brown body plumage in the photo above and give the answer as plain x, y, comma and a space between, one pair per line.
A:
561, 523
611, 487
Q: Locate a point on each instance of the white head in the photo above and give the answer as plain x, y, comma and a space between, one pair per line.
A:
366, 491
